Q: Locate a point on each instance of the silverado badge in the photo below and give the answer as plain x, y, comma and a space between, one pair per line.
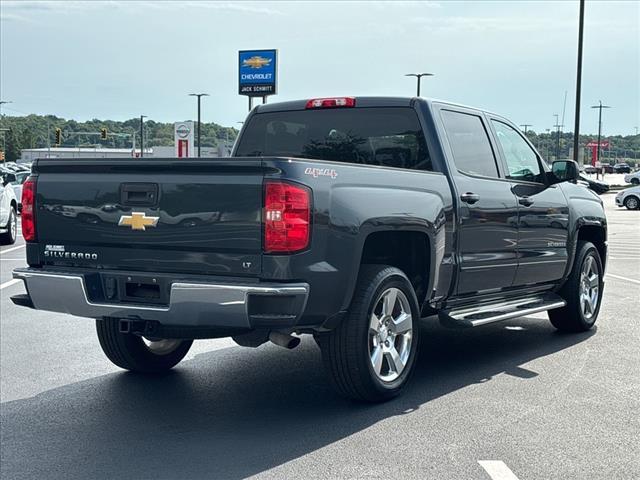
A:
138, 221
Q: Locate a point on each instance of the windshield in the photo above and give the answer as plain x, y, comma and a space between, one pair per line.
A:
389, 136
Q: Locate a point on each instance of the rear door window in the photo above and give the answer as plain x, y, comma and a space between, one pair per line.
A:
389, 136
472, 152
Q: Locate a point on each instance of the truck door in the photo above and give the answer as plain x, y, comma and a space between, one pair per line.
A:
488, 210
543, 211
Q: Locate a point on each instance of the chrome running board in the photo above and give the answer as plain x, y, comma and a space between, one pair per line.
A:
477, 315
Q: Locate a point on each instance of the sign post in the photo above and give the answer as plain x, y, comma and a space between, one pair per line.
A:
257, 74
183, 139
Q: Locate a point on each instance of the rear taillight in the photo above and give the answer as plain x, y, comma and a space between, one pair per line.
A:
27, 216
335, 102
287, 217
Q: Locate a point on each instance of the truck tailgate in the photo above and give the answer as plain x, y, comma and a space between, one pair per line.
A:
161, 215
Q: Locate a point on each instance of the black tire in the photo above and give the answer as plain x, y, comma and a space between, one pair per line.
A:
632, 202
9, 238
130, 351
571, 317
346, 350
635, 181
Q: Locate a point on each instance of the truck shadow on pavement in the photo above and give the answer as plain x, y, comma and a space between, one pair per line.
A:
234, 413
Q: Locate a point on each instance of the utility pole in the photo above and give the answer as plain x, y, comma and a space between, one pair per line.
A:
600, 106
200, 95
526, 125
557, 126
142, 117
636, 130
418, 78
576, 127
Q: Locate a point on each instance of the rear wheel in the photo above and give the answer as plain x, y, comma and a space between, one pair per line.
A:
582, 292
136, 353
631, 202
9, 238
371, 355
635, 181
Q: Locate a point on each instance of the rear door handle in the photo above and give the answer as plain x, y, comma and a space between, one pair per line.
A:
526, 201
470, 198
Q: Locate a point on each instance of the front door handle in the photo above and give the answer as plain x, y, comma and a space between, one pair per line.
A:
470, 198
526, 201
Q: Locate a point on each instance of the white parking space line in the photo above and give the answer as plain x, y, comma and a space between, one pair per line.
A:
16, 260
9, 283
627, 279
11, 249
497, 470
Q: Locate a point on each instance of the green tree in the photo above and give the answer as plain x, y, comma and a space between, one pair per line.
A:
13, 145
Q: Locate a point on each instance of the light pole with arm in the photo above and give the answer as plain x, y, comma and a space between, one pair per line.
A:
418, 78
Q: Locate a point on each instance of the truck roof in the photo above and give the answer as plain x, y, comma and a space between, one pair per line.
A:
361, 102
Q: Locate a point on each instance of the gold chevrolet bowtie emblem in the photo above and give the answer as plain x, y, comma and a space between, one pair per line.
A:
256, 62
138, 221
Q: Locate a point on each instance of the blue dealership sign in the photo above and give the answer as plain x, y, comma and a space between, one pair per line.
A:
257, 72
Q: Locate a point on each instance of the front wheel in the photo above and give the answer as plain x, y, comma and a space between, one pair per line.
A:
136, 353
582, 292
371, 355
632, 203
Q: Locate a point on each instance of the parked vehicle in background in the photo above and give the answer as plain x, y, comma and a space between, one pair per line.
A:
21, 177
595, 185
346, 218
606, 168
591, 169
633, 178
622, 168
8, 210
629, 198
14, 167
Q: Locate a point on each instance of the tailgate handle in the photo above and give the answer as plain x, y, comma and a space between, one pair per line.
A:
139, 194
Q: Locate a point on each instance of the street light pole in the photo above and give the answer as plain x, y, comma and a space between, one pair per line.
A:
199, 95
418, 78
576, 127
142, 117
600, 106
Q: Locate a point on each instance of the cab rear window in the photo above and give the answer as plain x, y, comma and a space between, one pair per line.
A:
389, 136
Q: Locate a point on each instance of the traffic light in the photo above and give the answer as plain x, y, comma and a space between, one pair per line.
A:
103, 133
58, 136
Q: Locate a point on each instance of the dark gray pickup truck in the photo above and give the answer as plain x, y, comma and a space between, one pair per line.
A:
346, 218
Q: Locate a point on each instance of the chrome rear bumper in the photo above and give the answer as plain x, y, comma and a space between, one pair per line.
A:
190, 304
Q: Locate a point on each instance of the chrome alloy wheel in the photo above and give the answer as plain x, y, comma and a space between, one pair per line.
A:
390, 332
160, 346
589, 287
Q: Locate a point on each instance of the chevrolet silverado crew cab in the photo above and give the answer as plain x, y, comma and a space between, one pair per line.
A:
347, 218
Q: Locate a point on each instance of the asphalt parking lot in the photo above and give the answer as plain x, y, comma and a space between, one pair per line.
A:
534, 403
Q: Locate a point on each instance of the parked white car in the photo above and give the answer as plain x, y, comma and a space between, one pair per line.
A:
629, 198
8, 210
21, 177
632, 178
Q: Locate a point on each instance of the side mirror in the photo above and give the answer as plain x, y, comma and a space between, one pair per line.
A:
564, 171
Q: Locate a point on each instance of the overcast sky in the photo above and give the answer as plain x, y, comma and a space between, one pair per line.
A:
117, 60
